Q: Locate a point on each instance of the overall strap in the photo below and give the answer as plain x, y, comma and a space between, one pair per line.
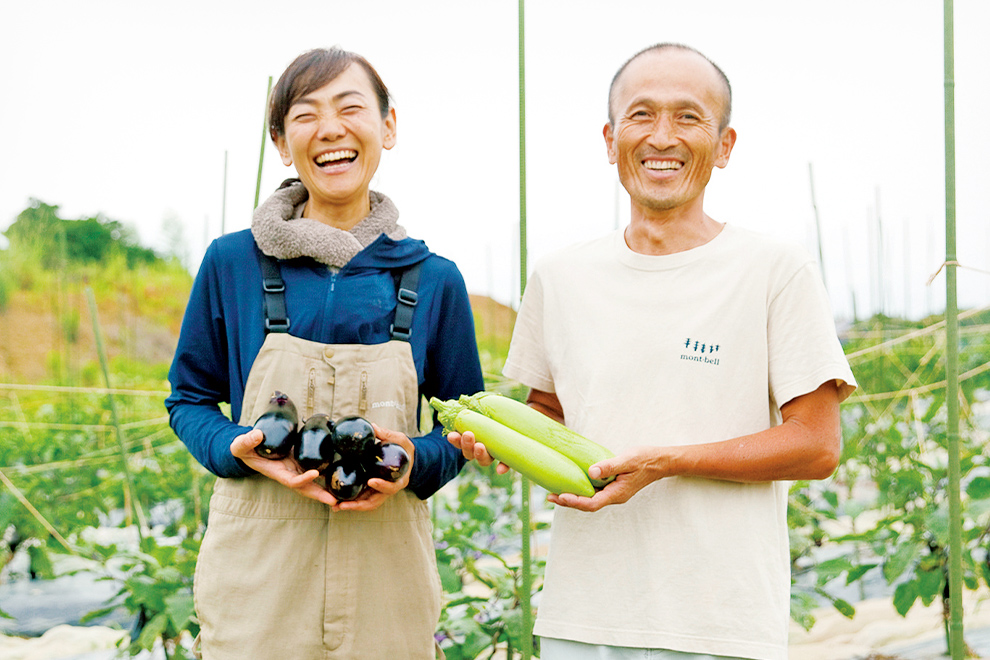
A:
276, 318
405, 304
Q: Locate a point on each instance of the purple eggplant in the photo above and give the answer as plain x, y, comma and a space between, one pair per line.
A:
346, 480
392, 463
354, 440
315, 448
279, 423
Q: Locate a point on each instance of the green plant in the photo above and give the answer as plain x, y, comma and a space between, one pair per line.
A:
481, 568
885, 512
156, 587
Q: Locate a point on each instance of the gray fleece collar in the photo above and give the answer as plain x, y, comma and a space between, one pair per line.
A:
281, 233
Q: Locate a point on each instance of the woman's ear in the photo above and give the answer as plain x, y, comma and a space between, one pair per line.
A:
388, 139
283, 150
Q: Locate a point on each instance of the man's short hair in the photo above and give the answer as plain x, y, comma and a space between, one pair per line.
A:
660, 47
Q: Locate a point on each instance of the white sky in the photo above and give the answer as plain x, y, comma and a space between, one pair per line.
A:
126, 109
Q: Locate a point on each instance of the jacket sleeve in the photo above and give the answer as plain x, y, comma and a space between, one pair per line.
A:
452, 368
199, 377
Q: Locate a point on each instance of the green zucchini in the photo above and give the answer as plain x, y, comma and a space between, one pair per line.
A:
546, 430
546, 467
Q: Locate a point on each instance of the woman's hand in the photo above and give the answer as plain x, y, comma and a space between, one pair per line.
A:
286, 471
473, 450
379, 490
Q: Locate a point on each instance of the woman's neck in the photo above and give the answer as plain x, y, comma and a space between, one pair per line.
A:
342, 216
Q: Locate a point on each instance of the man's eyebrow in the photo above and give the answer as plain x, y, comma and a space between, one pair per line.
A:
678, 102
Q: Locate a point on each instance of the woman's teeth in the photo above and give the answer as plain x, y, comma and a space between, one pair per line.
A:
333, 156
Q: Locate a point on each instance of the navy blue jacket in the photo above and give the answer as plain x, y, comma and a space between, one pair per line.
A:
224, 328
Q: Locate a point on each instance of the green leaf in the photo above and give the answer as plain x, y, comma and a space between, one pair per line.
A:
897, 563
857, 572
152, 631
904, 596
831, 568
449, 579
844, 607
180, 609
96, 614
929, 585
979, 488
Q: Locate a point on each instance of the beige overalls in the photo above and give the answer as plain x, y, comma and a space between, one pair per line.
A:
284, 577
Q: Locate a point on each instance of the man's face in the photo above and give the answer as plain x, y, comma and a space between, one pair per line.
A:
665, 141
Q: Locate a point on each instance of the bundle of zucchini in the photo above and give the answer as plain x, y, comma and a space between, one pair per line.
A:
550, 454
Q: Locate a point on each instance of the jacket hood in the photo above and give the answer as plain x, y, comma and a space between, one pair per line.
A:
281, 232
388, 253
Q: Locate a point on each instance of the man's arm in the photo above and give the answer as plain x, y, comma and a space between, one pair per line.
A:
806, 445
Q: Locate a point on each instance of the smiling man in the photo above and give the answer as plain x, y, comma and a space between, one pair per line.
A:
705, 356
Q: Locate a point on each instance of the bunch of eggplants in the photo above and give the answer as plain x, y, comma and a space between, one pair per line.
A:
346, 452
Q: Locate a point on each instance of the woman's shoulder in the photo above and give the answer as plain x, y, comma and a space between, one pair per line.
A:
234, 244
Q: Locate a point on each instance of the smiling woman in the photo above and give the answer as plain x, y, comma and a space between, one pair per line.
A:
306, 303
331, 118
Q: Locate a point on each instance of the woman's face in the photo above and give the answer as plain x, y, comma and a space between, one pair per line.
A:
334, 137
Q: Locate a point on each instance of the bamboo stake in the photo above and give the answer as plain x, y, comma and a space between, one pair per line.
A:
264, 134
34, 512
129, 491
527, 560
818, 225
82, 390
956, 641
223, 209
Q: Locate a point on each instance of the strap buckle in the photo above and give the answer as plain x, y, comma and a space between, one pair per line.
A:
408, 297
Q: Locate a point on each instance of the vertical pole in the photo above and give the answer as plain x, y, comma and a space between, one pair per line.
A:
527, 578
956, 642
129, 489
264, 135
223, 209
818, 224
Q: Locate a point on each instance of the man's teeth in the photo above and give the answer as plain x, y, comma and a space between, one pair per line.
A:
346, 154
662, 165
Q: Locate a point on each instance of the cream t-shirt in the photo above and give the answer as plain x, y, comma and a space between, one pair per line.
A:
694, 347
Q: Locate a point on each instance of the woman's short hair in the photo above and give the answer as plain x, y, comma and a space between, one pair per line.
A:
311, 71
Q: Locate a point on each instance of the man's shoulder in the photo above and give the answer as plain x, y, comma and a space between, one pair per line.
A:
765, 247
577, 252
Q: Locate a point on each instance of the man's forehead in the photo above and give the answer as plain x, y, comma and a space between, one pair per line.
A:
670, 64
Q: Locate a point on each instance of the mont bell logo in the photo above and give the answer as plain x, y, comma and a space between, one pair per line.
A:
697, 350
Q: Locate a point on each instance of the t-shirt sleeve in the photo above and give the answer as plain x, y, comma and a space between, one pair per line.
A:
804, 349
527, 361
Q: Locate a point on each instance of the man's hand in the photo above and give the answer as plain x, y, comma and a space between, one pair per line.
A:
633, 470
379, 490
286, 471
473, 450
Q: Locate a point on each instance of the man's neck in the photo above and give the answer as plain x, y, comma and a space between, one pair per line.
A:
668, 232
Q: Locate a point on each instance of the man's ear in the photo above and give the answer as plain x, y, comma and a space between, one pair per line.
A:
609, 143
726, 143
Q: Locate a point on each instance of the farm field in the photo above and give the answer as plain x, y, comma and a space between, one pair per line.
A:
100, 501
